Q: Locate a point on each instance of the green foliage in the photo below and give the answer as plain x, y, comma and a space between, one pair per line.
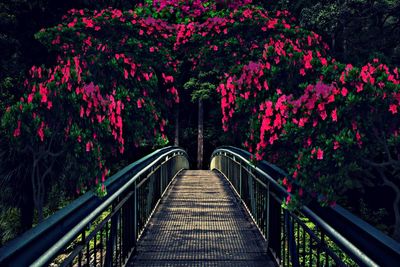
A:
375, 22
201, 88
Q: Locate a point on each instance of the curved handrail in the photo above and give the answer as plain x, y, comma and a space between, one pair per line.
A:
366, 244
43, 242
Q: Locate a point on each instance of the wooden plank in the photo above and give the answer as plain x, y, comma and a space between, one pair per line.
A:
200, 222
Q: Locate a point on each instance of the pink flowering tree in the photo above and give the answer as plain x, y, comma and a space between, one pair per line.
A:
105, 94
334, 127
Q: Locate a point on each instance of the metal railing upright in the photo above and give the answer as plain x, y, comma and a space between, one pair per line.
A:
310, 236
93, 231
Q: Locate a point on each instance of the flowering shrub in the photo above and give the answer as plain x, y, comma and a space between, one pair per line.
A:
100, 98
327, 123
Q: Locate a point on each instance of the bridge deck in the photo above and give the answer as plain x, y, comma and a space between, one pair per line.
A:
200, 222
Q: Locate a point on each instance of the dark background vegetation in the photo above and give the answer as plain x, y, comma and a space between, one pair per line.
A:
356, 30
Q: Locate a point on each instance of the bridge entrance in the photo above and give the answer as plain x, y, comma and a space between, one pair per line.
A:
201, 222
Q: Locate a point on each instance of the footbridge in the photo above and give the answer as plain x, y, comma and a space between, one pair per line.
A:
158, 212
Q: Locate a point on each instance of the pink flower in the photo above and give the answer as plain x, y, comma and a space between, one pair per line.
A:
301, 192
88, 22
336, 145
393, 109
331, 99
359, 87
334, 115
289, 188
324, 62
309, 141
323, 115
288, 199
320, 154
89, 146
17, 131
40, 131
344, 91
30, 98
139, 103
313, 152
307, 60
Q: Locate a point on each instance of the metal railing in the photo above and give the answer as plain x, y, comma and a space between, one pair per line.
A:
311, 236
100, 232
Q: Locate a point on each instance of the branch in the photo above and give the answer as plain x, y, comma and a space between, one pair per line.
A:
381, 164
381, 138
55, 154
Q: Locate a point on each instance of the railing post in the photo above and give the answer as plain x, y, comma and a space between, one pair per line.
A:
274, 230
135, 215
291, 240
240, 180
110, 244
161, 178
266, 216
250, 182
150, 194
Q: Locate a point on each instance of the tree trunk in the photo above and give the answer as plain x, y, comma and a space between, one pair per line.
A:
37, 189
333, 42
396, 202
345, 43
200, 126
26, 208
176, 141
396, 207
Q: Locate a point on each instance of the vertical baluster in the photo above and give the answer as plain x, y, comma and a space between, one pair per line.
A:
298, 239
161, 179
124, 230
95, 250
304, 246
107, 236
135, 214
319, 249
80, 259
327, 261
111, 244
311, 249
259, 205
292, 245
88, 253
240, 180
286, 237
267, 199
283, 242
324, 247
120, 240
256, 206
101, 245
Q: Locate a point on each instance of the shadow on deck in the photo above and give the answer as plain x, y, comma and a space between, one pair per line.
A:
200, 222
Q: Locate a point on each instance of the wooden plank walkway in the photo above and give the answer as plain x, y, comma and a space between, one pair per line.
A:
200, 222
